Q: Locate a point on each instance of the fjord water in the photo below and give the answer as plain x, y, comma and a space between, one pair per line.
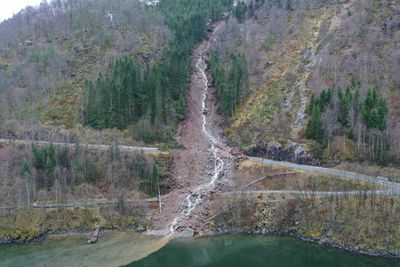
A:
116, 249
248, 251
112, 249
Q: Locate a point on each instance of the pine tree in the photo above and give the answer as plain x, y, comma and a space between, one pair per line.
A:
325, 100
51, 155
63, 158
26, 169
240, 11
345, 104
91, 114
383, 111
314, 128
374, 111
311, 104
181, 108
356, 107
231, 86
39, 158
154, 177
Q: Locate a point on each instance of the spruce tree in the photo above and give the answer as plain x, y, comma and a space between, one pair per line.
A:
374, 111
181, 108
311, 104
26, 169
315, 128
345, 104
383, 111
240, 11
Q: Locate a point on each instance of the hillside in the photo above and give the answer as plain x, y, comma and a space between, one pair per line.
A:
47, 53
196, 117
67, 68
301, 52
72, 151
57, 63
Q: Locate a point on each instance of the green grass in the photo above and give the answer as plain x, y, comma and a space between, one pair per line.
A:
305, 181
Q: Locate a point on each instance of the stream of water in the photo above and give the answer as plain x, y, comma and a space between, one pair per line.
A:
198, 194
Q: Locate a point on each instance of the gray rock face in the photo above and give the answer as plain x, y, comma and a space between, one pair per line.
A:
339, 1
79, 49
394, 5
293, 152
186, 233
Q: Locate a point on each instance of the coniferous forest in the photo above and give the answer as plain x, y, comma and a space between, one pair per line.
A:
189, 118
361, 118
151, 98
231, 81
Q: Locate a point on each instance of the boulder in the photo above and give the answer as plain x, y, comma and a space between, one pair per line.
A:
186, 233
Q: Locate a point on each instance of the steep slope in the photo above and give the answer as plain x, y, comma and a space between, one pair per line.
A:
204, 160
132, 92
299, 51
119, 67
48, 52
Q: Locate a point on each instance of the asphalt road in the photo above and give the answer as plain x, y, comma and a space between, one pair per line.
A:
92, 146
80, 203
389, 188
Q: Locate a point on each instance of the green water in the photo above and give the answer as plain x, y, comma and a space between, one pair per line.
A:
116, 249
259, 251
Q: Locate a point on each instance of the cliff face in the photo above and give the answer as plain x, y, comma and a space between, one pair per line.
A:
300, 52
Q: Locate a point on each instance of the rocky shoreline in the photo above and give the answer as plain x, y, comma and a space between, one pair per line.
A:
10, 240
324, 242
50, 234
268, 225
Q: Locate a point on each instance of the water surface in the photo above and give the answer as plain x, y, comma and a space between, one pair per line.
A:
120, 249
112, 249
259, 251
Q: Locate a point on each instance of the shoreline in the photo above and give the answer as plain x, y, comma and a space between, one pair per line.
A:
322, 242
63, 234
354, 249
